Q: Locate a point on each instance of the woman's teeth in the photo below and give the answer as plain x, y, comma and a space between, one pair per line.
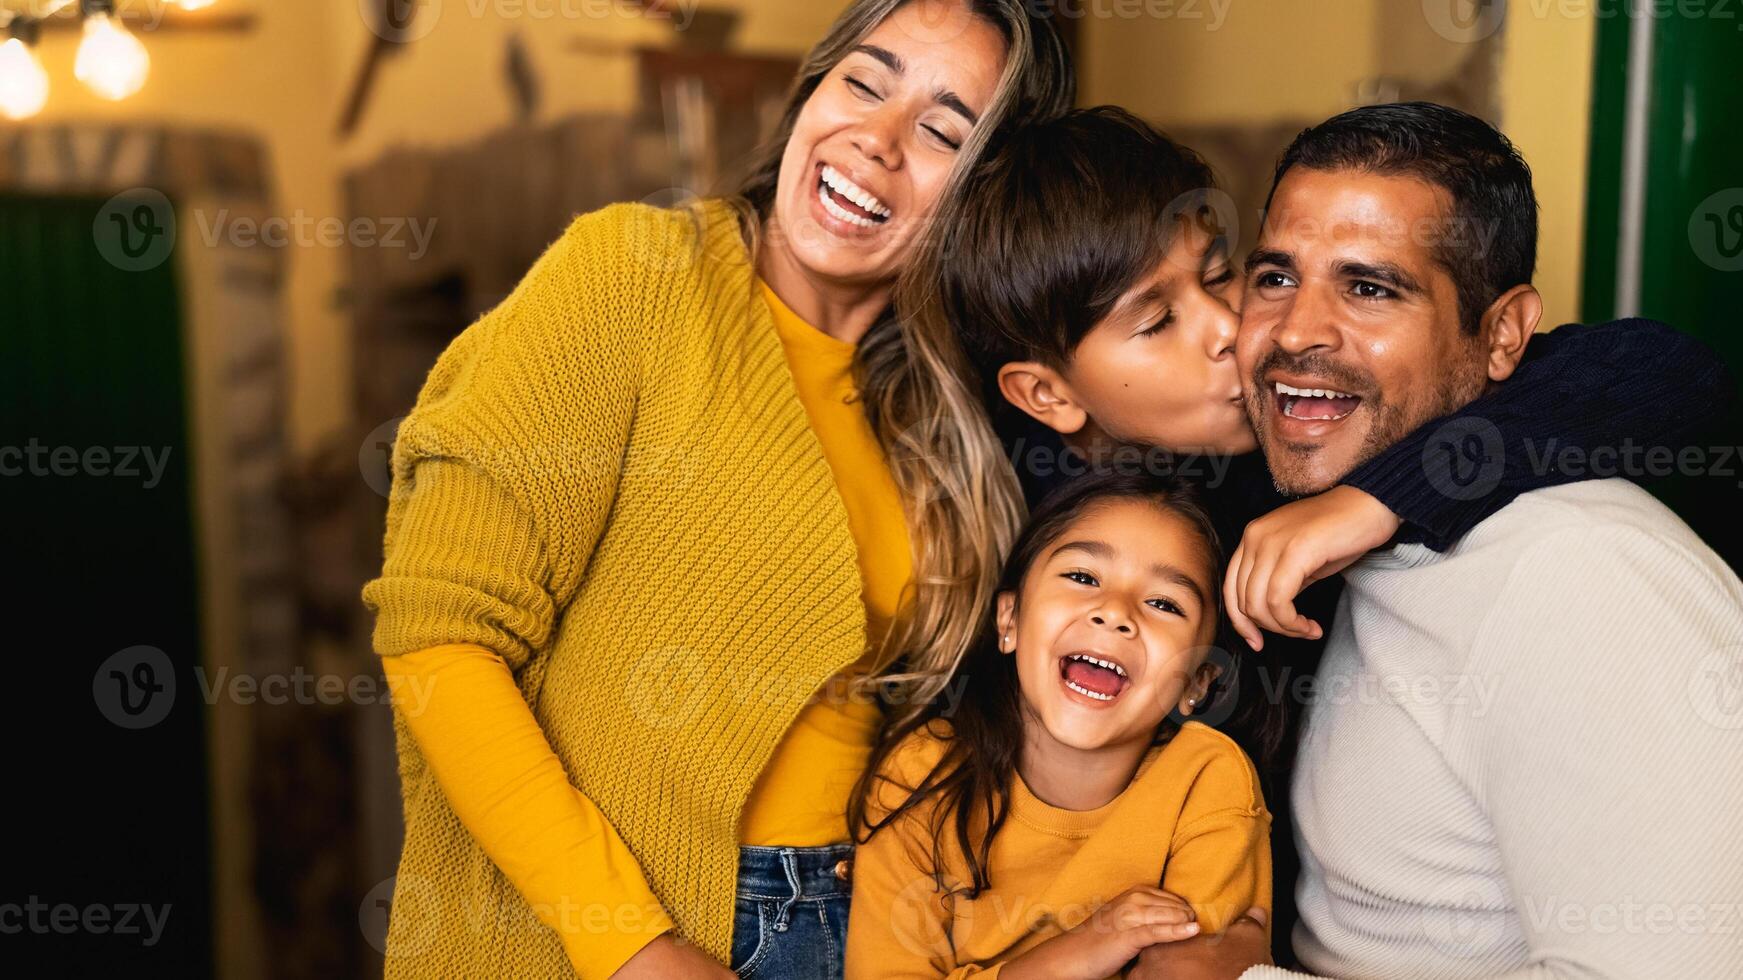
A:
875, 212
1315, 404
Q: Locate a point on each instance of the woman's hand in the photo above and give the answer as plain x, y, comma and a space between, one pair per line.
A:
668, 956
1293, 547
1101, 945
1221, 957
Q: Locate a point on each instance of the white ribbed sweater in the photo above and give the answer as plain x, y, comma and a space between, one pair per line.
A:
1526, 755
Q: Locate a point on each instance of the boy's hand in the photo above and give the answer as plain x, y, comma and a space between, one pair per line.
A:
1104, 943
1293, 547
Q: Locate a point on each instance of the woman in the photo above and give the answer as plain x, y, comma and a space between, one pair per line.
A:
688, 474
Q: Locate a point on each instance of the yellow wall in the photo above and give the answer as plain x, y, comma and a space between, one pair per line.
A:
1220, 63
1546, 97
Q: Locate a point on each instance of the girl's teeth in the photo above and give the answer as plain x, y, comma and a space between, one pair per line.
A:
1086, 692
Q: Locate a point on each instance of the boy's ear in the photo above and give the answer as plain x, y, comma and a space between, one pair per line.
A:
1509, 324
1007, 621
1192, 698
1044, 394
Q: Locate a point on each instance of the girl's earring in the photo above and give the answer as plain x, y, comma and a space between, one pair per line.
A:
1007, 644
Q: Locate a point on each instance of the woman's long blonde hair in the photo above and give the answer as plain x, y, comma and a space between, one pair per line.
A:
960, 494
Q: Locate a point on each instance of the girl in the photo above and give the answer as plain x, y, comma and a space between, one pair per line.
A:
649, 505
1067, 814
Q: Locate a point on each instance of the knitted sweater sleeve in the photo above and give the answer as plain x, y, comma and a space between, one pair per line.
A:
1597, 389
503, 475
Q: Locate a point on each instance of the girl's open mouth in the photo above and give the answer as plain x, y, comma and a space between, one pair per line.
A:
1092, 677
849, 202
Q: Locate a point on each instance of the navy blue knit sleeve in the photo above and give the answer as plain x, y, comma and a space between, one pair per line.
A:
1609, 399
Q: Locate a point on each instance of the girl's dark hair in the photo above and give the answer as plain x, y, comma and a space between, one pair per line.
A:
1061, 218
972, 780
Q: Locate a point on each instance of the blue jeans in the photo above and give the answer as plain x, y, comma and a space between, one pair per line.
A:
791, 921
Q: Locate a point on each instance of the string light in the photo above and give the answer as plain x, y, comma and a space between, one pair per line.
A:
23, 81
111, 61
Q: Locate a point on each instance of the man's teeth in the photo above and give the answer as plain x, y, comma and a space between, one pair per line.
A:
1086, 692
1283, 389
1108, 664
836, 181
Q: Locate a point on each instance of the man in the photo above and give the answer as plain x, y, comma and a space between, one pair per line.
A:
1520, 759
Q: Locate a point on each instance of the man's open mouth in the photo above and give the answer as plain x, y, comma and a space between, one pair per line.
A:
1093, 677
1315, 404
848, 201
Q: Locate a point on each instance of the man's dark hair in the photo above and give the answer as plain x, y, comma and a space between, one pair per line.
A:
1490, 245
1060, 219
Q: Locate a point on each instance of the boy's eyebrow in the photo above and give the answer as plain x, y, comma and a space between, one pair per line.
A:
944, 97
1271, 256
1385, 273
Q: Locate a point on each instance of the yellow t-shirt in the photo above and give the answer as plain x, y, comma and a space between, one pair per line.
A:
800, 799
1193, 821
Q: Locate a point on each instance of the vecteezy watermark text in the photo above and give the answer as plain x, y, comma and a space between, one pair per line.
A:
35, 459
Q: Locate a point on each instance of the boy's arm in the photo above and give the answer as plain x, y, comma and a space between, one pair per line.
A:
1610, 392
1601, 387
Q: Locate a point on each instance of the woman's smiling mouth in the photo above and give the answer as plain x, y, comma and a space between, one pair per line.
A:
846, 201
1099, 680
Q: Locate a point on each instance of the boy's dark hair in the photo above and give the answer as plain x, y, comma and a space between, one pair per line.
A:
1490, 245
973, 778
1060, 219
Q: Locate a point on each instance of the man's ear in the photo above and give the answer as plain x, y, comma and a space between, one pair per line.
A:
1043, 393
1508, 324
1007, 621
1192, 698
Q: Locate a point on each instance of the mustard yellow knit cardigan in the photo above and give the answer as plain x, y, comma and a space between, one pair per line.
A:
649, 534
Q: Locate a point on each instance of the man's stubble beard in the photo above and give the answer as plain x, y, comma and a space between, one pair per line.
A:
1390, 425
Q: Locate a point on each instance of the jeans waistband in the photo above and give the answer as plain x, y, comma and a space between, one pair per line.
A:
791, 873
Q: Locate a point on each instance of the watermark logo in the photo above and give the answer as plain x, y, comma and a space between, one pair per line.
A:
135, 688
1465, 21
670, 687
1715, 689
400, 21
1205, 214
1477, 920
375, 456
135, 231
398, 916
1716, 230
1465, 459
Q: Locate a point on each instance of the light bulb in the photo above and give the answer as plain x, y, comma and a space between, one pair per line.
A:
23, 82
111, 62
194, 4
